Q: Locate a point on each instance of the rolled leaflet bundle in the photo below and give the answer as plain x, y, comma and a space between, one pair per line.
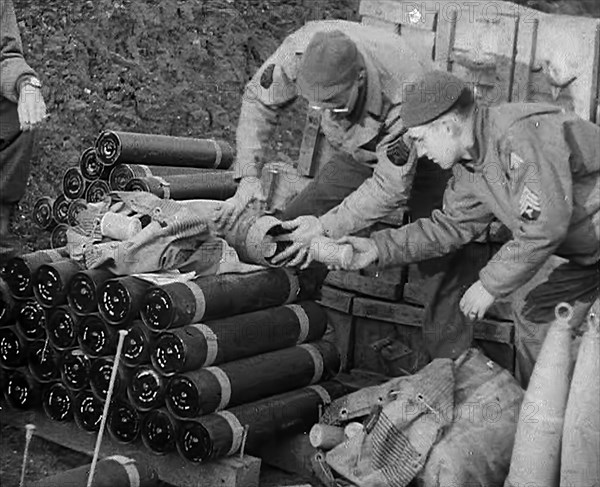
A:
8, 306
19, 271
179, 304
21, 391
75, 370
113, 471
239, 336
162, 150
58, 402
31, 320
52, 281
253, 238
83, 290
42, 213
97, 191
97, 338
326, 436
124, 422
221, 434
121, 174
43, 361
329, 252
159, 431
60, 209
58, 237
147, 388
76, 207
87, 411
218, 185
91, 167
138, 345
214, 388
120, 299
13, 348
74, 184
63, 328
100, 372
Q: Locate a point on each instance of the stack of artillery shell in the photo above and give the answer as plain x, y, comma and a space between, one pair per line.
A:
170, 167
209, 185
250, 342
200, 345
221, 434
180, 304
161, 150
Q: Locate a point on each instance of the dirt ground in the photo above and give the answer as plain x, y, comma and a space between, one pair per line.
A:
173, 67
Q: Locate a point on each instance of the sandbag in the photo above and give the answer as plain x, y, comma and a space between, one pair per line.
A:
476, 449
451, 424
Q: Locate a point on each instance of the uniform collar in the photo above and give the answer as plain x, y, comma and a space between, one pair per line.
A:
477, 152
374, 100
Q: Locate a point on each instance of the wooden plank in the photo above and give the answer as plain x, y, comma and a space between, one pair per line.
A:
368, 285
226, 472
336, 299
595, 91
368, 332
406, 314
420, 40
445, 35
524, 59
311, 139
343, 326
394, 275
291, 453
381, 24
412, 13
400, 313
415, 292
371, 356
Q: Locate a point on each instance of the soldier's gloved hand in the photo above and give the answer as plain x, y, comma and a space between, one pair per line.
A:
249, 188
31, 107
476, 301
303, 230
364, 253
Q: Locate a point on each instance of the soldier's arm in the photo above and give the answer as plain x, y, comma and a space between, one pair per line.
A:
541, 177
386, 190
13, 68
462, 219
269, 92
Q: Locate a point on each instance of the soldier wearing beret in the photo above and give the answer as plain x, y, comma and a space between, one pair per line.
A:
353, 74
533, 167
21, 108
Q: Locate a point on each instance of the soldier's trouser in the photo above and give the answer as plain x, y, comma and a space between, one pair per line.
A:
447, 332
571, 283
338, 177
16, 148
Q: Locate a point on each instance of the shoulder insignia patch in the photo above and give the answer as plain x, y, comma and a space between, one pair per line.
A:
529, 205
398, 152
266, 79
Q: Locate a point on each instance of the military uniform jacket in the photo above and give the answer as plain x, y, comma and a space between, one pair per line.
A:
375, 140
13, 67
536, 169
